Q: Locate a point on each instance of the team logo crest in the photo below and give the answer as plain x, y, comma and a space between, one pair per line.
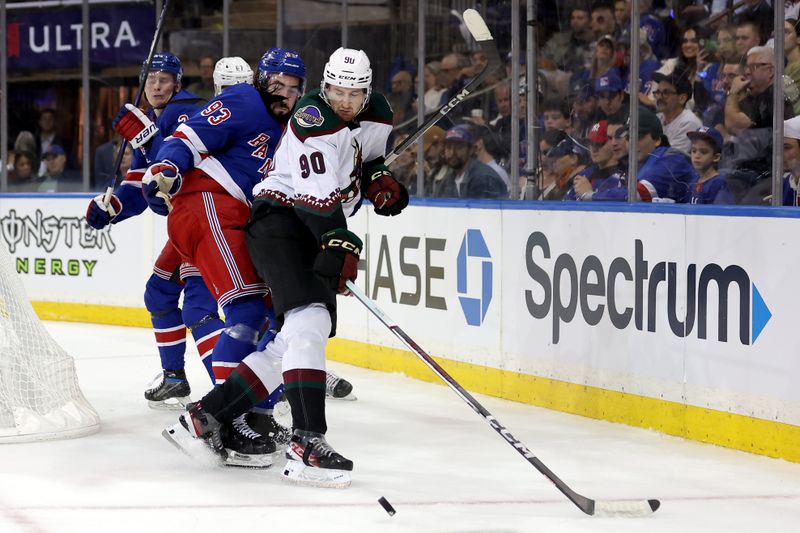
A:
309, 116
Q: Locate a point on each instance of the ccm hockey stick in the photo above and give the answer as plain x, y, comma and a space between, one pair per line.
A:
477, 27
631, 508
136, 101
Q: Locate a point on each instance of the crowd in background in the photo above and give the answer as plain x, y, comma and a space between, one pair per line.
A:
705, 96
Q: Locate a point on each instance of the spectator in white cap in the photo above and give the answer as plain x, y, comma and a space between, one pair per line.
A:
791, 160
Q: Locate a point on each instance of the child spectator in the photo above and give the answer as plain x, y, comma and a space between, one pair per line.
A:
568, 159
709, 187
556, 115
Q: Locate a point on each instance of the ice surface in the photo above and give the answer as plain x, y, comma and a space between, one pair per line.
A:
441, 467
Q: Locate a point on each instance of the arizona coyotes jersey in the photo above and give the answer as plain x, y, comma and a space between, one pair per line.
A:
317, 164
232, 140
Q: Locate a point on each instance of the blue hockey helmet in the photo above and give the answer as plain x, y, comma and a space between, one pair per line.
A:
165, 62
280, 61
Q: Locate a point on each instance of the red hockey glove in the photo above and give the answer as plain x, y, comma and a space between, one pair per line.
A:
337, 262
388, 195
134, 126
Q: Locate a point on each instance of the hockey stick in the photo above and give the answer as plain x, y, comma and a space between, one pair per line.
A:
477, 27
632, 508
136, 101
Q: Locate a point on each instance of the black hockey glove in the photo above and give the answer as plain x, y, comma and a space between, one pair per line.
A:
388, 195
337, 262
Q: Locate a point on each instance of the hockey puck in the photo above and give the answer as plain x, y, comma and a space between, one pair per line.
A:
386, 505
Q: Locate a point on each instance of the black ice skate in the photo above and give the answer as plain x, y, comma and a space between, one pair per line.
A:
169, 391
338, 388
312, 461
198, 435
245, 446
268, 426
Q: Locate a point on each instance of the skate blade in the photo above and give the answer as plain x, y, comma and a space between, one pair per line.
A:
349, 398
297, 472
241, 460
195, 448
170, 404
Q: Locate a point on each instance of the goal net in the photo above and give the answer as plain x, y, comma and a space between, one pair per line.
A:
39, 394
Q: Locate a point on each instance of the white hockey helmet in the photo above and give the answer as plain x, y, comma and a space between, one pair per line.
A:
348, 68
231, 71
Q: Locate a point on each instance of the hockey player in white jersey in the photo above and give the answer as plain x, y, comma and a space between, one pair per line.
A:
297, 236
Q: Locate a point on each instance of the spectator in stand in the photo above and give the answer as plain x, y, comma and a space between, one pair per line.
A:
546, 178
501, 124
47, 135
760, 14
602, 180
571, 50
791, 162
584, 108
487, 149
556, 115
400, 97
714, 114
648, 65
748, 112
693, 62
622, 13
467, 177
748, 35
792, 53
664, 173
404, 167
433, 87
58, 178
568, 159
611, 97
650, 26
725, 39
603, 20
618, 134
204, 87
671, 96
709, 187
604, 61
22, 178
452, 68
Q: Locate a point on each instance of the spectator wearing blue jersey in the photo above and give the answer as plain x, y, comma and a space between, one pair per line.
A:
709, 187
664, 173
791, 161
602, 180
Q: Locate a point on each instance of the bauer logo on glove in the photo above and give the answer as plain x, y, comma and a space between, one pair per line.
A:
134, 126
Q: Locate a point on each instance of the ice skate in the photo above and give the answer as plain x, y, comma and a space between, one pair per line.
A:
268, 425
198, 435
312, 461
169, 391
338, 388
246, 447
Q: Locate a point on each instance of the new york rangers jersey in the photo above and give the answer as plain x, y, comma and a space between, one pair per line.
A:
232, 140
317, 167
666, 175
180, 107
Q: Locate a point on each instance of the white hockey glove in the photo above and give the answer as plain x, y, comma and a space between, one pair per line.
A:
160, 183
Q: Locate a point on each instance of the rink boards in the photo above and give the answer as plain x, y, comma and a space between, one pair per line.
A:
674, 318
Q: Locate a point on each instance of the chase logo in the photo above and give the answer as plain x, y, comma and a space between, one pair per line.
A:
474, 300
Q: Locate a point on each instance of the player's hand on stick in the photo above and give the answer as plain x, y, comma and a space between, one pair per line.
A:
388, 195
100, 214
337, 262
134, 126
160, 183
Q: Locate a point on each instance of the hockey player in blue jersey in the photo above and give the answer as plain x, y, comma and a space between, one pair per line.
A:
170, 105
204, 178
297, 235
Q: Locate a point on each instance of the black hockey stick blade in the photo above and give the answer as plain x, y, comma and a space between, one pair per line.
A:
620, 508
483, 37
